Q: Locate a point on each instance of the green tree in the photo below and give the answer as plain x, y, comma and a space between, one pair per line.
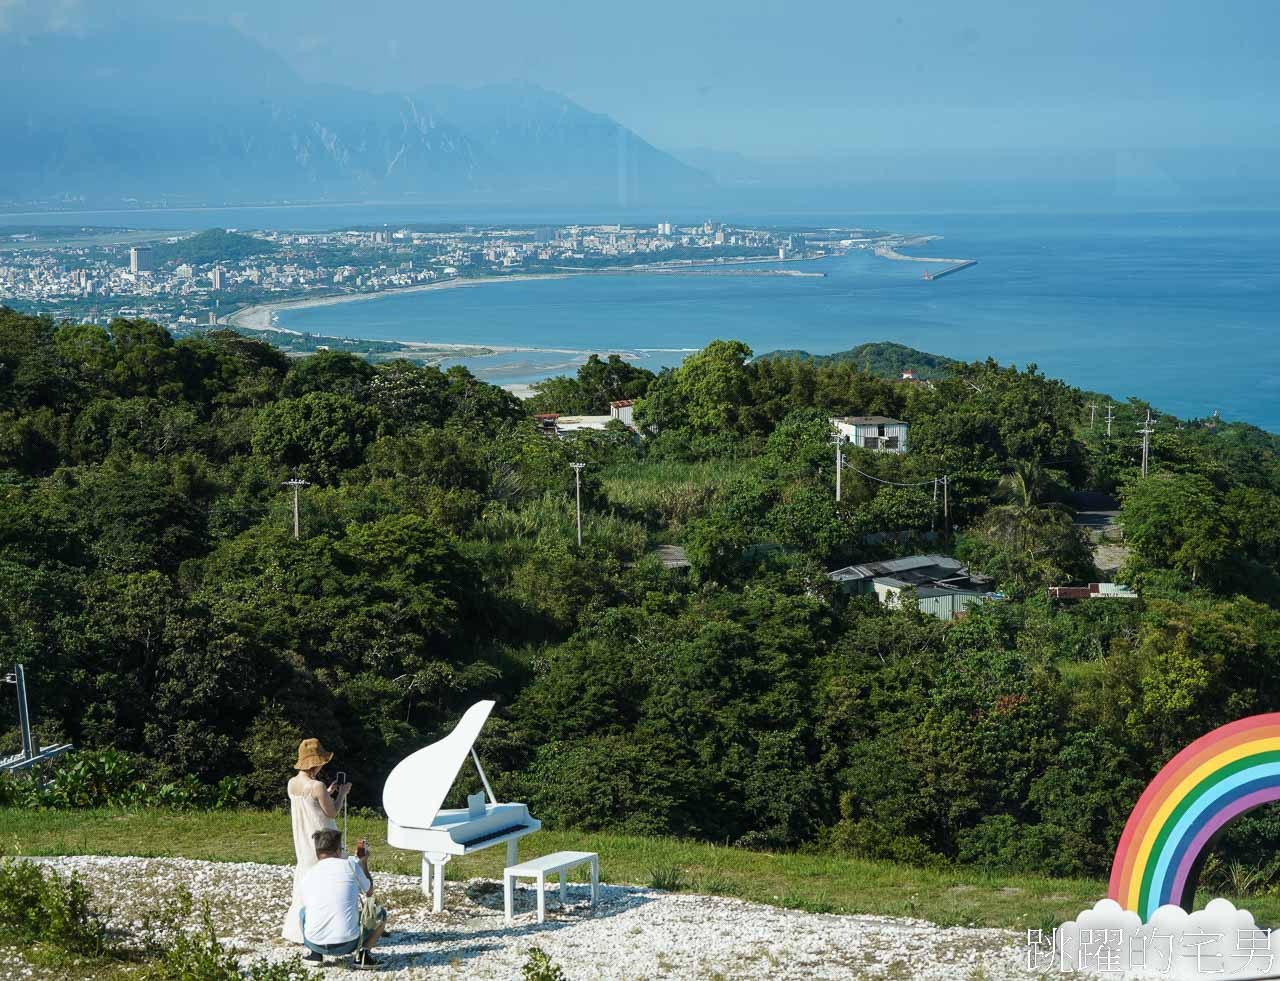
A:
705, 394
316, 436
1173, 521
329, 372
1027, 548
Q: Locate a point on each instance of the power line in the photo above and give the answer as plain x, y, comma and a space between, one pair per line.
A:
896, 483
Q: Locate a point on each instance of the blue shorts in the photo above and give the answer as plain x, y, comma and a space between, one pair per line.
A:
333, 950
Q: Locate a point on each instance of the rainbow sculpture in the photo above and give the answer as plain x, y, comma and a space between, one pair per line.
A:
1217, 778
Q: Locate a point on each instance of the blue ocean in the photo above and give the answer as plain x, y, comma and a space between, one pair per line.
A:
1182, 310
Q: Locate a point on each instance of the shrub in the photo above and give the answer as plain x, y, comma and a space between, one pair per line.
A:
108, 778
540, 967
179, 954
40, 906
865, 838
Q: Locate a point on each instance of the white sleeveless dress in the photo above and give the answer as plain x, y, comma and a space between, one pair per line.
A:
308, 818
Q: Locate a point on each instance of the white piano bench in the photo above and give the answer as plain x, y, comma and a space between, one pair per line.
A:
557, 863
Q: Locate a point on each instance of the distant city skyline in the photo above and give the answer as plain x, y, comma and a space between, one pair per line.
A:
837, 89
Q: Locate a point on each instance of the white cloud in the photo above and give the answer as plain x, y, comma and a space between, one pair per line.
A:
1218, 942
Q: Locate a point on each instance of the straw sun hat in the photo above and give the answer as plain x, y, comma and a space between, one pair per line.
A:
311, 753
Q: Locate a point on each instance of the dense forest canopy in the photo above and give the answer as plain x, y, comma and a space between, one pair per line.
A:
150, 581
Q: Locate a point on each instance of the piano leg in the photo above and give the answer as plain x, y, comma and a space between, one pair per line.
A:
513, 848
433, 878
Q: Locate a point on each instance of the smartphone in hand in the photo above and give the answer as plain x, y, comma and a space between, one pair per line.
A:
342, 778
362, 848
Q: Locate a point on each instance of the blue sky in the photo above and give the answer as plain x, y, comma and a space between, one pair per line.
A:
888, 82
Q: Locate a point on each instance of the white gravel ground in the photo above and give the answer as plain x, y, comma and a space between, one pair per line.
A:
633, 933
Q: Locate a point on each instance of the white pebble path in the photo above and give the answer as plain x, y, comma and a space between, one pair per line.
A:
634, 933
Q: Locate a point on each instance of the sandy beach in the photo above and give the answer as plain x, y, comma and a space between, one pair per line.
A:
258, 316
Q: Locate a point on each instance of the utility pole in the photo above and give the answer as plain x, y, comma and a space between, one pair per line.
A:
1146, 431
946, 505
1109, 418
297, 484
838, 440
1093, 414
577, 490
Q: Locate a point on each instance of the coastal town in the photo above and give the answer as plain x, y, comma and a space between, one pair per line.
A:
188, 281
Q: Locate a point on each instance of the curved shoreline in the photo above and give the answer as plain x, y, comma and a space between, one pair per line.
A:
258, 316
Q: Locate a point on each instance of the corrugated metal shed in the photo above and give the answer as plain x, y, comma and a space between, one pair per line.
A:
869, 570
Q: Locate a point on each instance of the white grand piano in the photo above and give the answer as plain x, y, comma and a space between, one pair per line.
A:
418, 786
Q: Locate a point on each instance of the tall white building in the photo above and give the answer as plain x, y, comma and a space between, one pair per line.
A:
140, 259
217, 278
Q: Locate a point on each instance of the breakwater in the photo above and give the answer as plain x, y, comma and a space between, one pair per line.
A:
963, 264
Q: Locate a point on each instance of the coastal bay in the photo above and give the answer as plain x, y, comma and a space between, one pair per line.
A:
1180, 309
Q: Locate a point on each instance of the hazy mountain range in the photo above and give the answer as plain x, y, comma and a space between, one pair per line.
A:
205, 115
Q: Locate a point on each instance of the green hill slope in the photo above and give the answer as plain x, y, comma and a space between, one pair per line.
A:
214, 245
883, 358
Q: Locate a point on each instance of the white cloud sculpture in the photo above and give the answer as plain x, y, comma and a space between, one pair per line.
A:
1218, 942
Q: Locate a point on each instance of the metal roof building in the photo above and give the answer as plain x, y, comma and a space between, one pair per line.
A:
942, 585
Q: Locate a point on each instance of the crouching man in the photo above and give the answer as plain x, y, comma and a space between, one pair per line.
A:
330, 899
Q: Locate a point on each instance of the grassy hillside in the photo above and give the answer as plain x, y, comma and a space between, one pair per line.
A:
815, 882
882, 358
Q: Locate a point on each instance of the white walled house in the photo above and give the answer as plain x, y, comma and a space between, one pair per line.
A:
621, 410
873, 432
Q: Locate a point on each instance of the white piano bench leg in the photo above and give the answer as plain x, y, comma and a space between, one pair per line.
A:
542, 897
508, 894
595, 880
564, 890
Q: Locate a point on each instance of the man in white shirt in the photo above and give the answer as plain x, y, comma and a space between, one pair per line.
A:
330, 895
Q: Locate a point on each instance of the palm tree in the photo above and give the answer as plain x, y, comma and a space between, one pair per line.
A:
1027, 483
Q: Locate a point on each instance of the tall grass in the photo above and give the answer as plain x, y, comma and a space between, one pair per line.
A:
668, 490
552, 519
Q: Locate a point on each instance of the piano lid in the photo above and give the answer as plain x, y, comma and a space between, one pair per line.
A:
421, 781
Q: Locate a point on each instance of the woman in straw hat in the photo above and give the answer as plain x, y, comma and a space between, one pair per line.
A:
314, 807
